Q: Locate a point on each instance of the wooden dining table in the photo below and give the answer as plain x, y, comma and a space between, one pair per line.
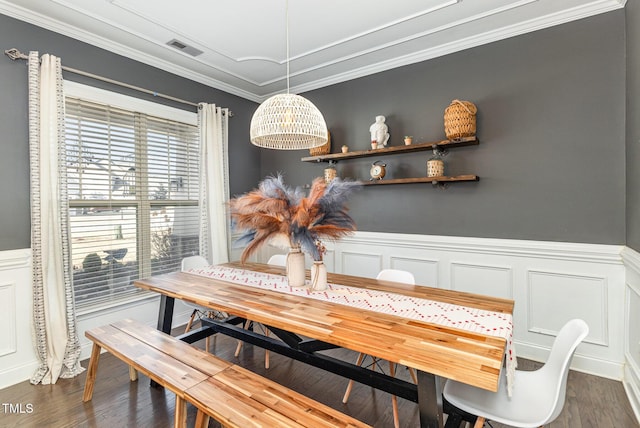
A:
305, 326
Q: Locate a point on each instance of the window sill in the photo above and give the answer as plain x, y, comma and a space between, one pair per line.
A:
125, 302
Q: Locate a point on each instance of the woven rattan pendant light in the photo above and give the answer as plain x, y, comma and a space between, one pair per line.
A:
288, 121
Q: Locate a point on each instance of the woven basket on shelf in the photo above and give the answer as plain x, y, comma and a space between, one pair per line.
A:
460, 119
323, 149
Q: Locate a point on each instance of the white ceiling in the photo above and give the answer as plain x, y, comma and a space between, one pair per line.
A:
243, 42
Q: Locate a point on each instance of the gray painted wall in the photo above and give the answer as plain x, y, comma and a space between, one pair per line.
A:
14, 150
551, 124
633, 124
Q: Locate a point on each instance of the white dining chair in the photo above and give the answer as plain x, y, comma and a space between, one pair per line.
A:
277, 260
395, 275
538, 396
194, 262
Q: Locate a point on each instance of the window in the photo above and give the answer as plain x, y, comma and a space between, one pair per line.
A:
133, 192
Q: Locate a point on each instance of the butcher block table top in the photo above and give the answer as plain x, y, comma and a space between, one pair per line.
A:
466, 356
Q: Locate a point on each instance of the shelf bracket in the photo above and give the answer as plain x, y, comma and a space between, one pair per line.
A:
440, 185
437, 150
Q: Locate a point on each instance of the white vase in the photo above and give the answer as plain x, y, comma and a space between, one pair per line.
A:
318, 276
295, 267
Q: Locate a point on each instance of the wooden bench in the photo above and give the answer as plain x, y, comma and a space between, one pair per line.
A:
232, 395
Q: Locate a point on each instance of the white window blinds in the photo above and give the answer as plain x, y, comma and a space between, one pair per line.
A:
133, 196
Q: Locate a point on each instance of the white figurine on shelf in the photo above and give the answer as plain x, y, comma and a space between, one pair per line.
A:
379, 132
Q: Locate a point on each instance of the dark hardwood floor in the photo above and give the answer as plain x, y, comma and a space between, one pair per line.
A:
591, 401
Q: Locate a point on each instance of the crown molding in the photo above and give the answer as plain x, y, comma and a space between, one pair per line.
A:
466, 43
183, 37
117, 48
576, 13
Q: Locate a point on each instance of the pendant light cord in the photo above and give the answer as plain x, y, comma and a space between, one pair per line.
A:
287, 19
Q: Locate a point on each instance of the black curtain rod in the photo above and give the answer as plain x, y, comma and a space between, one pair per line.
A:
15, 54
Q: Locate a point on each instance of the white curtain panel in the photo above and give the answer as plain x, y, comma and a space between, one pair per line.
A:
214, 183
55, 334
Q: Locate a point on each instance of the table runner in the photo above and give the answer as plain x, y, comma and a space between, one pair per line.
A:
445, 314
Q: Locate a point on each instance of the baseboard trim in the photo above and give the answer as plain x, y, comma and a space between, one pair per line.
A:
17, 374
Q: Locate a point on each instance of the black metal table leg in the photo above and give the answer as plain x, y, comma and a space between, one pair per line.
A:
165, 313
165, 318
429, 400
456, 416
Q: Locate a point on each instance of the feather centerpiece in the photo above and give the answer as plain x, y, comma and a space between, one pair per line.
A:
279, 214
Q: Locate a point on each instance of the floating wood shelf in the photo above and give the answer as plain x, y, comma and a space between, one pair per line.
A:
442, 145
434, 180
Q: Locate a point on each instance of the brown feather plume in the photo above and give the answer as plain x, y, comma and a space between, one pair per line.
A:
274, 210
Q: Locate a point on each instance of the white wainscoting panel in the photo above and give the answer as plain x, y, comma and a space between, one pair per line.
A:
424, 270
330, 259
555, 298
364, 263
17, 358
482, 279
631, 260
8, 339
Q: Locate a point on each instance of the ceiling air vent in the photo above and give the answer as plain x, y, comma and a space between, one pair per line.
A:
184, 47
